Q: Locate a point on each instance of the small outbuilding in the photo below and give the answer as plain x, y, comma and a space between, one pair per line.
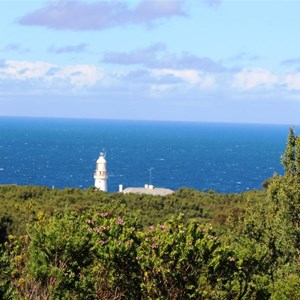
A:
147, 189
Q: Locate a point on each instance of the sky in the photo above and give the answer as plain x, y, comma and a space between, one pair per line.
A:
179, 60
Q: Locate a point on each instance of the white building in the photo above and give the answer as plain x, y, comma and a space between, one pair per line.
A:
101, 174
148, 189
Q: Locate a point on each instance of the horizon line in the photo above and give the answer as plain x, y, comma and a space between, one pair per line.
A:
146, 120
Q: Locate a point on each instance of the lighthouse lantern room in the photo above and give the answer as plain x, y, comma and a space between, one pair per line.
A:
101, 174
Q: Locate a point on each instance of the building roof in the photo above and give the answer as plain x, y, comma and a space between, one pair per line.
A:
152, 191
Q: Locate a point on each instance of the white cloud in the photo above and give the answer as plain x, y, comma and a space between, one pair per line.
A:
292, 81
251, 78
80, 75
24, 70
192, 77
76, 75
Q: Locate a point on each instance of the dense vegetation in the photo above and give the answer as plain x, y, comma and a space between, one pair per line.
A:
85, 244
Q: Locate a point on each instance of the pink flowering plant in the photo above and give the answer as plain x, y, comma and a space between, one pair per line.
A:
115, 247
109, 256
182, 262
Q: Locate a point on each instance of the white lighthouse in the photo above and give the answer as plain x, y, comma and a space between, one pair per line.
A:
100, 174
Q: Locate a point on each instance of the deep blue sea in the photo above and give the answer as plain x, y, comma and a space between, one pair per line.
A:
63, 152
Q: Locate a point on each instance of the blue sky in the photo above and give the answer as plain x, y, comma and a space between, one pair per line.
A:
187, 60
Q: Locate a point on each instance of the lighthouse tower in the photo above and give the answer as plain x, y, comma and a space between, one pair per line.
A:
100, 174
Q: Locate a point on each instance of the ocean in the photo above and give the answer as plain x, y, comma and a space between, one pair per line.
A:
62, 153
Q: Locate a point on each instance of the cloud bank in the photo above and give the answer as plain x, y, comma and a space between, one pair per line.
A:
186, 75
79, 15
154, 57
248, 79
50, 75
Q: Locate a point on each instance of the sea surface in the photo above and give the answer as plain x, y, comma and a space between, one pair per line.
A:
62, 153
